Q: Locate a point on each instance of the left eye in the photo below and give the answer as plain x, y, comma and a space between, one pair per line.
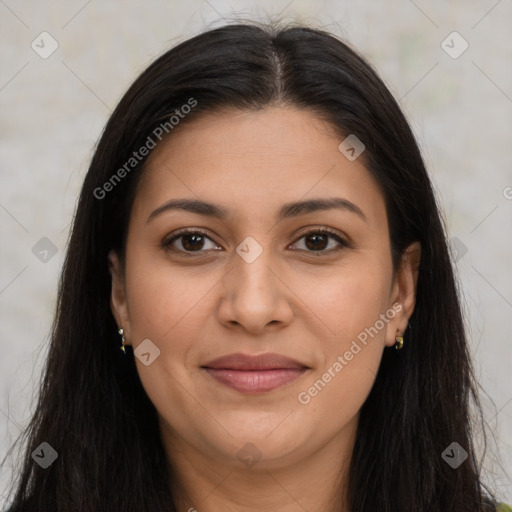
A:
318, 240
315, 241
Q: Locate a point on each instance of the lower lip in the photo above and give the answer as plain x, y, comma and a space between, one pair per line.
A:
255, 381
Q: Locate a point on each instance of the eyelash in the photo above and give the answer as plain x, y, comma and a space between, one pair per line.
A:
167, 243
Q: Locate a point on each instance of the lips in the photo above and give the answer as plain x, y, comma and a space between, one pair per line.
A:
254, 374
248, 362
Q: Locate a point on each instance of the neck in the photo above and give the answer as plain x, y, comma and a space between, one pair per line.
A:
206, 483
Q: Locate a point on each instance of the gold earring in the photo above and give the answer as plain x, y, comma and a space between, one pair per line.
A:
399, 342
121, 332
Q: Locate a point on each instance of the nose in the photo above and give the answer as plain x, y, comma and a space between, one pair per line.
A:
255, 295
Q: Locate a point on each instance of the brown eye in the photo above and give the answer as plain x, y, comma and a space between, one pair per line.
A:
192, 242
318, 241
188, 242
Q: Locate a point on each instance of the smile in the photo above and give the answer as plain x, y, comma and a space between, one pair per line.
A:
255, 381
255, 374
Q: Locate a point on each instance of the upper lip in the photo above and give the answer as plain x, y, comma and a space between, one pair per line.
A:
252, 362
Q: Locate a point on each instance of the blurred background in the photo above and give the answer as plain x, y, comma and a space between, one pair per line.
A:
64, 65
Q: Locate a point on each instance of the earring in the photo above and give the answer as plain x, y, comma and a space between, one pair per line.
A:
399, 342
121, 332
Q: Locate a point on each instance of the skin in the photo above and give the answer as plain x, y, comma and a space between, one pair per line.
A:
303, 303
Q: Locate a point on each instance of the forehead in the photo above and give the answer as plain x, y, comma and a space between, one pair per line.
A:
254, 161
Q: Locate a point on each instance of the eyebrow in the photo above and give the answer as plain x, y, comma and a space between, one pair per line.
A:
287, 211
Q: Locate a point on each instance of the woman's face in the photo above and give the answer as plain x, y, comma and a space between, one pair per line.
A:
260, 279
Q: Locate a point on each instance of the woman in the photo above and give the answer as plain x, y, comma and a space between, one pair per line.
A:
258, 234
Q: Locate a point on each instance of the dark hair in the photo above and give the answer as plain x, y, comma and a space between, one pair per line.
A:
92, 407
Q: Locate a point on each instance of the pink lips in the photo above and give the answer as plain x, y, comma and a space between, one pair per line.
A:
254, 374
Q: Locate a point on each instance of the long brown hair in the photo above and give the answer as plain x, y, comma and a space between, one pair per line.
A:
92, 408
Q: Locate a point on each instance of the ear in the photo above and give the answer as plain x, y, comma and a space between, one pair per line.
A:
403, 294
118, 303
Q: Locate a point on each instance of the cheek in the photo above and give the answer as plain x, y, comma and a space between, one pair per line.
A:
350, 360
167, 306
347, 300
352, 306
170, 306
162, 299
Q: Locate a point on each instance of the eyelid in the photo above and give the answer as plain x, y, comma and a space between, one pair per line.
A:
322, 229
168, 240
340, 238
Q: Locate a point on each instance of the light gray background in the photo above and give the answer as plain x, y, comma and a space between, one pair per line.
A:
53, 110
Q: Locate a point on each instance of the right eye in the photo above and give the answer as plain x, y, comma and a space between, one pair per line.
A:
191, 241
